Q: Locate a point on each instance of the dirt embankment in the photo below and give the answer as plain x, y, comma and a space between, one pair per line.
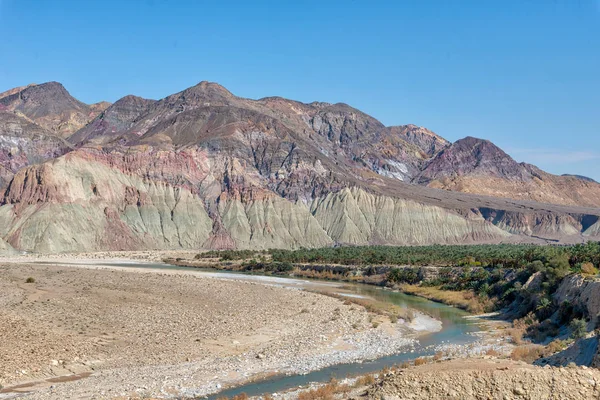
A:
486, 379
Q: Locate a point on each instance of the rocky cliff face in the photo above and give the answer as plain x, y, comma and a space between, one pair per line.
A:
23, 143
204, 168
582, 293
426, 140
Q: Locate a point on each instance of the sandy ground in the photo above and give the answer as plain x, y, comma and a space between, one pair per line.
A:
151, 333
145, 255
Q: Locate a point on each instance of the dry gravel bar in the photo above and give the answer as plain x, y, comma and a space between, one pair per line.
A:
165, 334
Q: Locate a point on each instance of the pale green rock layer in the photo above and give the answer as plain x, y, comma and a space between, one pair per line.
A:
353, 216
593, 230
75, 206
6, 249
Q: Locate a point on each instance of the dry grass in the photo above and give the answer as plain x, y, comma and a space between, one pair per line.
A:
519, 328
327, 275
326, 392
516, 335
466, 299
588, 268
365, 380
528, 353
241, 396
554, 347
420, 361
492, 352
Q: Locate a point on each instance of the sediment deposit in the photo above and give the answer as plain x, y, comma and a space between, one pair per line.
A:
160, 333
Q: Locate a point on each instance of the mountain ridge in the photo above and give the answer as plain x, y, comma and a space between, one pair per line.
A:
205, 168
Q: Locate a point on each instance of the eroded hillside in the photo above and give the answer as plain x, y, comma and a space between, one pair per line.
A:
205, 168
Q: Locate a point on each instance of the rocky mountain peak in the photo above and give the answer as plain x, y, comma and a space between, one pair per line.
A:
51, 106
473, 157
207, 91
429, 142
15, 90
113, 121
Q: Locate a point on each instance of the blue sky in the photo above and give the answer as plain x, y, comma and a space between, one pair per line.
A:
524, 74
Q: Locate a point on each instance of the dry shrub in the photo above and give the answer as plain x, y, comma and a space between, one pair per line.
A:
492, 352
404, 365
588, 268
420, 361
325, 392
516, 335
241, 396
327, 275
554, 347
365, 380
519, 328
528, 353
267, 397
438, 356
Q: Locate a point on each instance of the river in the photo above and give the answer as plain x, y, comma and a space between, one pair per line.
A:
456, 329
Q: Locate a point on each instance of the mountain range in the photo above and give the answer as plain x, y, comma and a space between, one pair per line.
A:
204, 168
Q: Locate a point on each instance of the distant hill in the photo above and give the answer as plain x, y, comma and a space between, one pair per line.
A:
583, 178
50, 106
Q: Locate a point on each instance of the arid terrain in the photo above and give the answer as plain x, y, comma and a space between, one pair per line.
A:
487, 379
206, 169
168, 333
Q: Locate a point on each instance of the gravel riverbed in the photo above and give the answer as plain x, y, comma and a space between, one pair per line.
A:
167, 334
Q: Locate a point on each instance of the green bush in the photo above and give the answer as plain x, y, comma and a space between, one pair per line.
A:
403, 275
578, 328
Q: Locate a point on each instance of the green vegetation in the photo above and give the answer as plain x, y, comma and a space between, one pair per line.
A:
268, 267
578, 328
502, 255
229, 255
30, 280
403, 275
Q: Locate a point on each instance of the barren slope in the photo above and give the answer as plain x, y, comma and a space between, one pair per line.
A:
52, 107
473, 165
